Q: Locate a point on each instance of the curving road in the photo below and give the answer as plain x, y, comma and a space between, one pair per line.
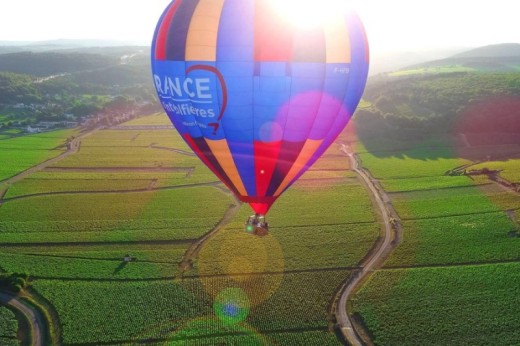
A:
193, 251
33, 317
343, 318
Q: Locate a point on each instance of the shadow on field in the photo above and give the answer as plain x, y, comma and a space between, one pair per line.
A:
120, 267
473, 147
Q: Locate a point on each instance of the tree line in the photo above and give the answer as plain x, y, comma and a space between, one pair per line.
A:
421, 105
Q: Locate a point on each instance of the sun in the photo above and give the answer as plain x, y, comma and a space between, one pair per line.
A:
310, 13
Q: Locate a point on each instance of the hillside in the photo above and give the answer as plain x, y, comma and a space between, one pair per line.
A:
54, 45
493, 58
71, 85
492, 51
43, 64
466, 94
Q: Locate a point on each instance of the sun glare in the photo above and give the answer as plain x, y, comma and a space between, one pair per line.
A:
310, 13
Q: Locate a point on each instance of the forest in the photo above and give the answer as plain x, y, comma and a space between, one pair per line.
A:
420, 105
72, 85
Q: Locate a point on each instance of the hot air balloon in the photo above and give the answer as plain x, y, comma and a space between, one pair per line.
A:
257, 97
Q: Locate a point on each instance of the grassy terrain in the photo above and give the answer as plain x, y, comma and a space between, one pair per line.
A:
141, 157
457, 239
428, 183
413, 163
455, 234
71, 225
8, 328
159, 119
39, 186
156, 253
432, 70
469, 305
327, 204
20, 153
444, 202
510, 169
134, 311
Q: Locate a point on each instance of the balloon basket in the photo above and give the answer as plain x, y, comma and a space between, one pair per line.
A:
257, 225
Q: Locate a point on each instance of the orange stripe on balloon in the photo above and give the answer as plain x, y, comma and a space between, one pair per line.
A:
337, 41
308, 150
222, 153
201, 43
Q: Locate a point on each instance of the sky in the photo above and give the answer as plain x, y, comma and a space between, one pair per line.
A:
390, 24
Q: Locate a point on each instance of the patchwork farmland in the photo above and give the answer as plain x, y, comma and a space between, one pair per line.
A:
138, 192
129, 239
455, 269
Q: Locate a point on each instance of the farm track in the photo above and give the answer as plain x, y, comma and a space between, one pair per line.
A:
374, 258
455, 215
197, 277
447, 265
497, 179
73, 147
147, 189
155, 341
141, 127
98, 243
186, 262
178, 151
445, 188
119, 169
92, 258
36, 321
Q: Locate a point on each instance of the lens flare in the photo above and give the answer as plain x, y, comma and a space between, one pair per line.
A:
233, 264
231, 306
310, 13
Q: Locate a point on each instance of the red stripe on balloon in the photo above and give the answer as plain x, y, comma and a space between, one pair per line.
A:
261, 208
162, 35
273, 35
260, 205
266, 158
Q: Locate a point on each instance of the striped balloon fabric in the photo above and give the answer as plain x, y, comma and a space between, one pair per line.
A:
256, 97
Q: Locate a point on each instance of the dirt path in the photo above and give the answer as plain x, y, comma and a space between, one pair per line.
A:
374, 258
110, 192
179, 151
72, 148
33, 317
186, 262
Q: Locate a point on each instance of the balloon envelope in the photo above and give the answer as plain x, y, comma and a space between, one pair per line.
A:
257, 98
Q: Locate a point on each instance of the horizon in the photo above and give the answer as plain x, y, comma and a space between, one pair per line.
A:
467, 24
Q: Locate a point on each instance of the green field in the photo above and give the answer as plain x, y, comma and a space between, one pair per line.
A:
8, 328
452, 280
134, 191
428, 183
135, 311
457, 239
443, 202
432, 70
20, 153
467, 305
510, 169
152, 120
456, 244
413, 163
146, 212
